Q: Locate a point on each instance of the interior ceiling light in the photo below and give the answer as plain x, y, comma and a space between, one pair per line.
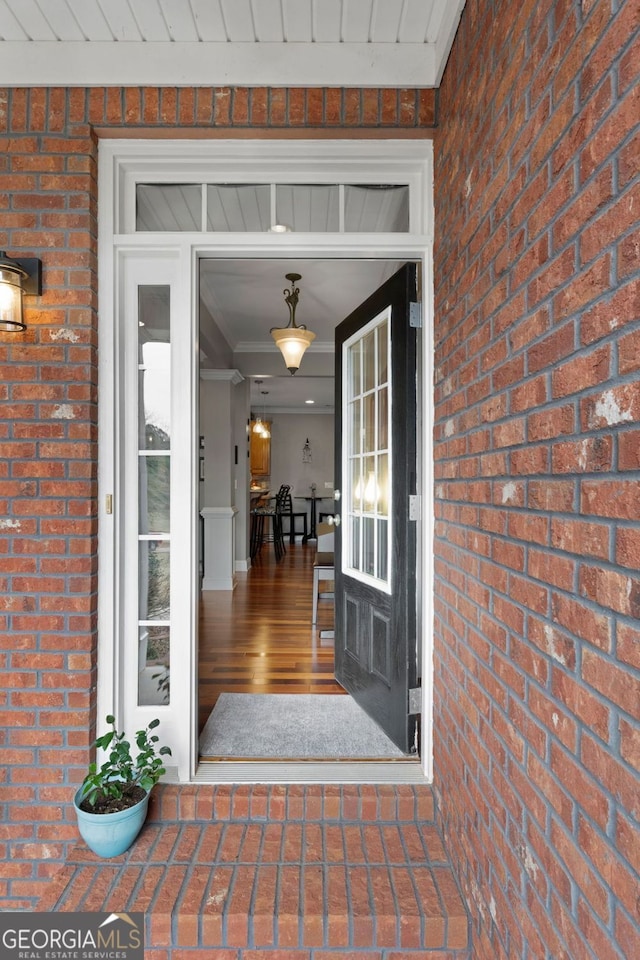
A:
293, 339
265, 432
280, 228
258, 426
17, 277
309, 401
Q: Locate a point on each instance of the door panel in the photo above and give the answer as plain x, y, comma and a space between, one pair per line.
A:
375, 466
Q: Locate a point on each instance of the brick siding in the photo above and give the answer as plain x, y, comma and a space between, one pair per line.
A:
536, 450
48, 417
537, 475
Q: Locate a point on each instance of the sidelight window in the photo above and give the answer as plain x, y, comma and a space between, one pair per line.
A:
154, 521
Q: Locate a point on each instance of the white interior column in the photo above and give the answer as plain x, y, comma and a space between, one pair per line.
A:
218, 480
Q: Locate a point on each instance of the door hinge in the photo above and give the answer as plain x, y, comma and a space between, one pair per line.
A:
415, 700
415, 314
108, 503
414, 506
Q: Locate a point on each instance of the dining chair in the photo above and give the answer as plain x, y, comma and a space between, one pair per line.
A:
288, 512
258, 519
323, 566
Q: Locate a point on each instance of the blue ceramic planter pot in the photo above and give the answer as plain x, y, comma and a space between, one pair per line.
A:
110, 834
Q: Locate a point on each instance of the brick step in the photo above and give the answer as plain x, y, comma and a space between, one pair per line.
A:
280, 871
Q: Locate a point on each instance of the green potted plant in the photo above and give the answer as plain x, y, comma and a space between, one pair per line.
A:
111, 805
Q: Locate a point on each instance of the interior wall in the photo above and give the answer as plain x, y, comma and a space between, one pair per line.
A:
217, 429
288, 435
538, 483
241, 471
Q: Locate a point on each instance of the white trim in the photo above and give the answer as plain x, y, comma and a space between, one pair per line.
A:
212, 513
120, 164
289, 771
218, 64
234, 376
427, 513
274, 161
219, 583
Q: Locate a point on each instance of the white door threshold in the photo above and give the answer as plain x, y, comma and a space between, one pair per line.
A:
299, 771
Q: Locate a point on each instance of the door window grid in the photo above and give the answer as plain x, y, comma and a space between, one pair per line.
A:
154, 468
367, 539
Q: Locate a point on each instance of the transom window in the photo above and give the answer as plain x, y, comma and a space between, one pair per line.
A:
276, 207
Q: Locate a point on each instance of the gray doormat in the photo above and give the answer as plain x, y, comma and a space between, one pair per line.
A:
293, 726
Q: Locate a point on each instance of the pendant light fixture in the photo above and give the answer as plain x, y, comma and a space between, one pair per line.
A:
260, 423
265, 432
293, 339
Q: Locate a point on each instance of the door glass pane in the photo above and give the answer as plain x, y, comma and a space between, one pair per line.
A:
357, 486
169, 206
154, 580
154, 490
369, 361
153, 666
368, 455
356, 425
368, 546
383, 352
308, 208
382, 549
369, 493
154, 368
376, 208
383, 418
369, 426
238, 207
354, 370
383, 485
354, 559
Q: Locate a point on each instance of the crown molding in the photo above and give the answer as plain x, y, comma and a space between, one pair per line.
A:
234, 376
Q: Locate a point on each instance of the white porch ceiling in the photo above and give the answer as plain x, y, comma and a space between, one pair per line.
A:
335, 43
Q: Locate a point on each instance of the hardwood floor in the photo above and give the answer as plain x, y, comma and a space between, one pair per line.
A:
258, 638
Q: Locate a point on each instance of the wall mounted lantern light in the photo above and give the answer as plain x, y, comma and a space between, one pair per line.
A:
293, 339
306, 452
17, 277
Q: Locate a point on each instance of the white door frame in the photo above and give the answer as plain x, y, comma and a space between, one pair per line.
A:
121, 165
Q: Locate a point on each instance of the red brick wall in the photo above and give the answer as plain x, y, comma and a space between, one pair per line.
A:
48, 416
537, 447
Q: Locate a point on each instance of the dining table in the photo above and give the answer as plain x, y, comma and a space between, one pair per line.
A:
313, 513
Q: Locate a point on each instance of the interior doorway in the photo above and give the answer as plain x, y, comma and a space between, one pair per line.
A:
259, 640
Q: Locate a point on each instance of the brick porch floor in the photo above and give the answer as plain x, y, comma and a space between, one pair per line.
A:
299, 872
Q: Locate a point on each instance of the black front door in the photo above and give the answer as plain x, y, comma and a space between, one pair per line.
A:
375, 474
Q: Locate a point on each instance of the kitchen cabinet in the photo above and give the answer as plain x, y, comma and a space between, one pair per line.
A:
260, 452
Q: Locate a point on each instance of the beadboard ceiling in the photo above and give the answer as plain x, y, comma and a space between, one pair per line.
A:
334, 43
344, 43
